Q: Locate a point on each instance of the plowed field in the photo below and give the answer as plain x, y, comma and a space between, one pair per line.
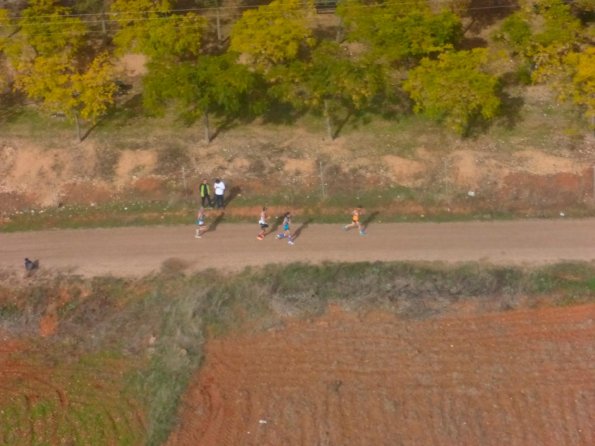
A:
523, 377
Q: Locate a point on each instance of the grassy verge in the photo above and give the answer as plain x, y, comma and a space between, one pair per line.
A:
128, 347
400, 206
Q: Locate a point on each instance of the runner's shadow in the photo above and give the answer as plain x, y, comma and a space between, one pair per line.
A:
233, 193
215, 223
369, 219
299, 230
275, 225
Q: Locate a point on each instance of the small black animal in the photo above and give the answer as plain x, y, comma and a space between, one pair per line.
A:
31, 265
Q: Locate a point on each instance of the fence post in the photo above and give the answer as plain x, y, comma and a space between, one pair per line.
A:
322, 188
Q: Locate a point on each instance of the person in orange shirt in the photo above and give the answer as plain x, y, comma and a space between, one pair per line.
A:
355, 220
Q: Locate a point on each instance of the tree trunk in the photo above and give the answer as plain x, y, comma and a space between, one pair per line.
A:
339, 36
329, 122
218, 26
103, 25
207, 127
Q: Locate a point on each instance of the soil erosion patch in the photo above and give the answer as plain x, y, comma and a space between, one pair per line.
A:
519, 377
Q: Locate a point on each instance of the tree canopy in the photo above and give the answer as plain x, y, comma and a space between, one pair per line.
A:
62, 61
274, 33
211, 85
54, 65
397, 33
455, 88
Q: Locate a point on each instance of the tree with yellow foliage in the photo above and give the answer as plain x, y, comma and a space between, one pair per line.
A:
583, 81
53, 66
274, 33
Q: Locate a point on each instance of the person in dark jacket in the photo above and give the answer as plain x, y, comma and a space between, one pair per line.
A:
30, 266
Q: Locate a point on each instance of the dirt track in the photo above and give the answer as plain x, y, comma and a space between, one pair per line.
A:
137, 251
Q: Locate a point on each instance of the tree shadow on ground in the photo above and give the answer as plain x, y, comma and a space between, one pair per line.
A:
369, 219
341, 123
299, 230
225, 125
484, 13
510, 110
233, 193
280, 113
276, 224
213, 226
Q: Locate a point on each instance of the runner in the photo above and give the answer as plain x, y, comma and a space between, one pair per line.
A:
200, 222
262, 221
355, 215
286, 231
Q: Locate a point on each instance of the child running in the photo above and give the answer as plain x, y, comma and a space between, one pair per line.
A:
355, 216
286, 231
200, 222
262, 221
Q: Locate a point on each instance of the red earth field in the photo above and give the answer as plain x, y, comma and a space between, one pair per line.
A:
524, 377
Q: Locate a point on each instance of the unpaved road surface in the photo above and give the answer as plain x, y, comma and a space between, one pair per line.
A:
141, 250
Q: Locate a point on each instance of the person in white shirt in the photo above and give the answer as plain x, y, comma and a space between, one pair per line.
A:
219, 188
262, 222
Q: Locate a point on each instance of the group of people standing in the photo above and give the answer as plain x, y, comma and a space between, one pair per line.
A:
219, 188
205, 194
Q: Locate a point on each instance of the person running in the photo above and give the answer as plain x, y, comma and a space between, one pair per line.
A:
286, 231
200, 222
262, 221
205, 194
355, 217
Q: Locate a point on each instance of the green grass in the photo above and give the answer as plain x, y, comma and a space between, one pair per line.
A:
91, 407
385, 205
575, 281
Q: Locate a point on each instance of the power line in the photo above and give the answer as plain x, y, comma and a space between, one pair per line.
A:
141, 15
102, 21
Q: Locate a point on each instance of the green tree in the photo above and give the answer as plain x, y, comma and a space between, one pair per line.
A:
152, 28
516, 32
211, 85
274, 33
456, 88
329, 80
546, 35
398, 34
541, 34
55, 65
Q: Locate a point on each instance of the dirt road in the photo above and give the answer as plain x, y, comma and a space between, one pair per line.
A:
137, 251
